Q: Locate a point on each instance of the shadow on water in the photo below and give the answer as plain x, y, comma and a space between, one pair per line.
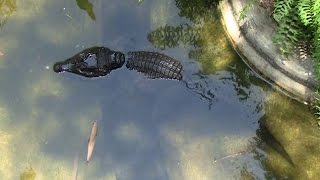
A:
265, 136
290, 139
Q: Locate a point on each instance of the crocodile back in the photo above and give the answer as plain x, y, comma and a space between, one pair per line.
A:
154, 65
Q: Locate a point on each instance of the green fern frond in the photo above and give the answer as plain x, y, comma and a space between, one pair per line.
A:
316, 12
282, 9
316, 54
305, 8
289, 32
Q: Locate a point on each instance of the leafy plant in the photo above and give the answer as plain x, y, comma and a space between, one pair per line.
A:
299, 20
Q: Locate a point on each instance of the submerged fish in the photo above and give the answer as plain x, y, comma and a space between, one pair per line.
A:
92, 140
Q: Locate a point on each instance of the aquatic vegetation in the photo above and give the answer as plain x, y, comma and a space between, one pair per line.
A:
28, 174
7, 7
88, 7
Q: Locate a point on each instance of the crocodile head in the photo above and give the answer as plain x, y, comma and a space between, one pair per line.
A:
91, 62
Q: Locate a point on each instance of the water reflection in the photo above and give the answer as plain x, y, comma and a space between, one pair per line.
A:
88, 7
202, 37
172, 36
196, 9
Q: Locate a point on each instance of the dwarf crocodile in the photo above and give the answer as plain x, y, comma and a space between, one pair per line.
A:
100, 61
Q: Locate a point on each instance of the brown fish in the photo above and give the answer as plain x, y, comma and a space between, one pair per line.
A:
92, 140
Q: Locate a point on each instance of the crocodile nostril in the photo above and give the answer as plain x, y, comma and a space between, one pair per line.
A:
57, 67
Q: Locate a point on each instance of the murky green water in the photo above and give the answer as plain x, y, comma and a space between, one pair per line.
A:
204, 127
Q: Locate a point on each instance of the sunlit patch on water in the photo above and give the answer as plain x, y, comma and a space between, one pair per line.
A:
203, 156
47, 86
8, 154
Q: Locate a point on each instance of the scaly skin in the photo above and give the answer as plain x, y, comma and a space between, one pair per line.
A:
100, 61
154, 65
92, 62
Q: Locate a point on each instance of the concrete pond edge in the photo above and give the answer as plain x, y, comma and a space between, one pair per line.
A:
286, 78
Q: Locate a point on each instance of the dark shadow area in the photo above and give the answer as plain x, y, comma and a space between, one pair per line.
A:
265, 144
266, 137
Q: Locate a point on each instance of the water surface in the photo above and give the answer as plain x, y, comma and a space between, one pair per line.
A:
203, 127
